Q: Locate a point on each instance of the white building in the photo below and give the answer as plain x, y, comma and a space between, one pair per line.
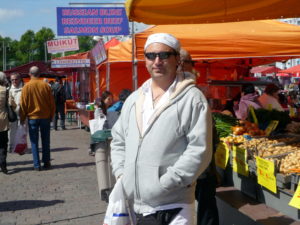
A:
291, 62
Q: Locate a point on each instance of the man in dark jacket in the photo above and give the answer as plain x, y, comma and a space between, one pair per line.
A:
60, 99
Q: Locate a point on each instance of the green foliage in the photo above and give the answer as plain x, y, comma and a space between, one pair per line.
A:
223, 123
264, 117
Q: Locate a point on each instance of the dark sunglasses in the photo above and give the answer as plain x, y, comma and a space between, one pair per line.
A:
161, 55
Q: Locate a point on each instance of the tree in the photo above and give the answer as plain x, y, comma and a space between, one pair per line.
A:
41, 37
27, 47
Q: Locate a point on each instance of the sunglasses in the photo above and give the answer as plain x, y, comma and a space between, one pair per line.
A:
161, 55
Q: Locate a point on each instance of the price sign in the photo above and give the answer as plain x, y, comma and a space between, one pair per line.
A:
295, 201
265, 174
222, 155
239, 163
272, 126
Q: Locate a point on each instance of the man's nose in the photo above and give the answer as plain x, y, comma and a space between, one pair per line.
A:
157, 59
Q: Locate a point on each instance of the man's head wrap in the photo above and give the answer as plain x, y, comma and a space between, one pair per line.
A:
163, 38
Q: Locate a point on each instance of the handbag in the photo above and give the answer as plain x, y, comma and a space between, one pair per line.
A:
11, 114
20, 141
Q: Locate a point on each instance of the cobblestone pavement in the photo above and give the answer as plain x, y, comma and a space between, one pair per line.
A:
66, 194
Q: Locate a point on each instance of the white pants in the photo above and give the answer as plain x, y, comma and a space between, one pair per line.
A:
12, 133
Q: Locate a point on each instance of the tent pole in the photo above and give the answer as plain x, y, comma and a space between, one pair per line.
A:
134, 65
107, 75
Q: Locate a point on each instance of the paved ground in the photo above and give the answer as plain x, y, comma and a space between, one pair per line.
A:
66, 194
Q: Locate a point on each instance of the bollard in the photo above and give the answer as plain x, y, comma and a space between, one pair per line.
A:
103, 168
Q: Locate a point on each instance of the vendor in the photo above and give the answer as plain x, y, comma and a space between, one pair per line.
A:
248, 98
270, 99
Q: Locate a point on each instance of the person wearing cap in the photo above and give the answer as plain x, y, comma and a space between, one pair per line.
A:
162, 139
37, 105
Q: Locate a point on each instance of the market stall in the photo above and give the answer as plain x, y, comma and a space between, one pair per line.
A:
260, 156
214, 11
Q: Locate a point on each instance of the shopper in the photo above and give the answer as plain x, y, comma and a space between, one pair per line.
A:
4, 124
162, 140
107, 99
60, 100
248, 99
114, 111
270, 99
207, 211
15, 93
37, 105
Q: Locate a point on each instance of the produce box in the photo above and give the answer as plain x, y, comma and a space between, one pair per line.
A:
295, 179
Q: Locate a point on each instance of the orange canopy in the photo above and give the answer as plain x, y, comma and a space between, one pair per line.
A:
248, 39
209, 11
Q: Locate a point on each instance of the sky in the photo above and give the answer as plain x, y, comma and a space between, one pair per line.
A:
18, 16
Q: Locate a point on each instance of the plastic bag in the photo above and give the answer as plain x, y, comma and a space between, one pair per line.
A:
96, 124
20, 142
118, 211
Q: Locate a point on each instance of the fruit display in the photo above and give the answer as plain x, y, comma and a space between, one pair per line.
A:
247, 128
234, 139
265, 147
290, 163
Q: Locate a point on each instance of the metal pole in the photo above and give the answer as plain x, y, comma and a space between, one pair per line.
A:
45, 48
134, 72
3, 48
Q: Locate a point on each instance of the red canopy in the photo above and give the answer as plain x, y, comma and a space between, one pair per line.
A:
23, 70
294, 69
264, 69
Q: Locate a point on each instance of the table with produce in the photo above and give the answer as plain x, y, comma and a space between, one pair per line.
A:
266, 149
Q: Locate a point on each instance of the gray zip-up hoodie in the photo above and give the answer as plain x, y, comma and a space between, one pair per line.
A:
160, 167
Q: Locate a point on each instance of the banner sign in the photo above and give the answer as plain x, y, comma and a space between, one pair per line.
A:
63, 45
99, 53
87, 21
70, 63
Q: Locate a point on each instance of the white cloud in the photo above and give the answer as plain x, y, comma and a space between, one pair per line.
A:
8, 14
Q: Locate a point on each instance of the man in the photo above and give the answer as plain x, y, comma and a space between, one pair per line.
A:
15, 93
207, 211
37, 104
162, 139
60, 99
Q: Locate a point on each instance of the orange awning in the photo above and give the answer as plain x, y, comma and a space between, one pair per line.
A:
248, 39
212, 11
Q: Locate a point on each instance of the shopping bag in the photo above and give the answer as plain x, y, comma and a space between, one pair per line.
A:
118, 211
20, 142
96, 124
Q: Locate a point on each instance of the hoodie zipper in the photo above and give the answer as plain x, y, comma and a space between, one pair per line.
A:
136, 169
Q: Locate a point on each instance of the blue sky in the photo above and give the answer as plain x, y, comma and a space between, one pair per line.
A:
18, 16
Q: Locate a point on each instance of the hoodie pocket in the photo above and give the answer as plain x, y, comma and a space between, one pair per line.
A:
128, 180
151, 191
